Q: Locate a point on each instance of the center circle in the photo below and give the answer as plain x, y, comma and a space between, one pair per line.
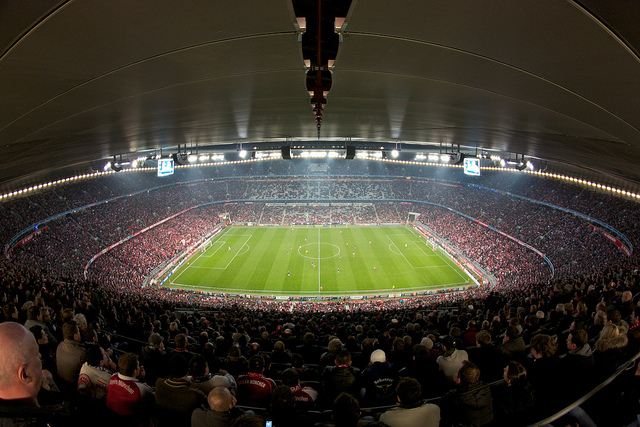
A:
319, 250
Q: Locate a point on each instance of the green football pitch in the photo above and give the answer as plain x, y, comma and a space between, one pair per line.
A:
318, 261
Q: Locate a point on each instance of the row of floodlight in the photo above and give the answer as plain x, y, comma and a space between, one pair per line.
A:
140, 162
434, 157
360, 154
193, 158
319, 154
48, 184
373, 155
188, 158
519, 164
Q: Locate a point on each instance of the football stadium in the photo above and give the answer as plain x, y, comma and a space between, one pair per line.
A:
332, 213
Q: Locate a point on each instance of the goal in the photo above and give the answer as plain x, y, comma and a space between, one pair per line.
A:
206, 245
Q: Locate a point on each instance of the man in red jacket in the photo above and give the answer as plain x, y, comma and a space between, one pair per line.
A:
128, 397
254, 389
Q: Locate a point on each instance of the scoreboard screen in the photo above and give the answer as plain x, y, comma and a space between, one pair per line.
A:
165, 167
472, 166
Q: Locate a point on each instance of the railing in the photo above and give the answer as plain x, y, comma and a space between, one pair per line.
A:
590, 394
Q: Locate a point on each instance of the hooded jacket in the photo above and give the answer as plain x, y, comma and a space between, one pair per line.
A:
450, 363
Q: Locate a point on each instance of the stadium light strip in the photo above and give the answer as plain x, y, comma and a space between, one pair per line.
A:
535, 172
96, 174
102, 173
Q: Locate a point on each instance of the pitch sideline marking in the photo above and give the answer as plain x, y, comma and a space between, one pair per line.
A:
454, 269
365, 291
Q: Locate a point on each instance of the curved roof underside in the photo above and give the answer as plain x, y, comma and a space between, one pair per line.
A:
80, 81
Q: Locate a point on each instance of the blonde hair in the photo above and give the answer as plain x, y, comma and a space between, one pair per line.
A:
611, 337
609, 331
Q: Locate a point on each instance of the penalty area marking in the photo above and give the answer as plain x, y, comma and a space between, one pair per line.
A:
239, 252
419, 245
393, 247
243, 250
401, 254
206, 253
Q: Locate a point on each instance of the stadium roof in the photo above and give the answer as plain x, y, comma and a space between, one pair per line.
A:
86, 80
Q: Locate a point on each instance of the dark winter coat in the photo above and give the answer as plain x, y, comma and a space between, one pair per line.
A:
467, 406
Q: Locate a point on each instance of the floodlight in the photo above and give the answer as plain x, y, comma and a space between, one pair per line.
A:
457, 158
395, 154
243, 154
180, 158
117, 167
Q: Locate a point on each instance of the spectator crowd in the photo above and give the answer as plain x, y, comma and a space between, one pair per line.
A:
105, 349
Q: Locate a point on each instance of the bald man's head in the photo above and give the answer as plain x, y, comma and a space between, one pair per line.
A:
21, 368
220, 399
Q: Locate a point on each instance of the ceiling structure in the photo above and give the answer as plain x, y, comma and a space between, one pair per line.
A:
82, 81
